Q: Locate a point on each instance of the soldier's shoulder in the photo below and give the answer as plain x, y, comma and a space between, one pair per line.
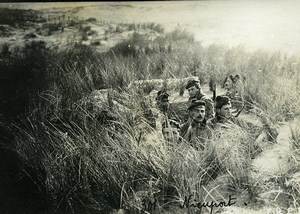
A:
211, 122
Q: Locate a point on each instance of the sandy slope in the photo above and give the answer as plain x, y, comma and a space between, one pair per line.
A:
273, 160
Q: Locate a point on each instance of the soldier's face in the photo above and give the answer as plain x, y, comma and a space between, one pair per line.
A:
198, 113
192, 91
225, 111
171, 134
228, 84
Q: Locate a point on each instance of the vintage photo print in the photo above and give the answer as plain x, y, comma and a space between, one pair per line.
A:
150, 107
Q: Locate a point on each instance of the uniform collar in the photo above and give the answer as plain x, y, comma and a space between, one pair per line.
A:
201, 124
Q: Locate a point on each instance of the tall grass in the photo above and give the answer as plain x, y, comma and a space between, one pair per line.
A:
78, 162
81, 162
98, 167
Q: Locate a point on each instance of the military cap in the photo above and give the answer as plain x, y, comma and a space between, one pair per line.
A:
164, 97
221, 101
172, 123
195, 103
191, 83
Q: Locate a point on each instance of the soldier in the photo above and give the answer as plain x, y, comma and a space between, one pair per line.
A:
195, 130
234, 90
171, 131
224, 115
163, 104
223, 112
195, 92
162, 101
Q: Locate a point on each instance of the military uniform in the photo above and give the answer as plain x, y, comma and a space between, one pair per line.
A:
165, 108
218, 122
221, 120
196, 134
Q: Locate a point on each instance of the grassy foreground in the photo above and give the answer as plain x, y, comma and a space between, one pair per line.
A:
79, 162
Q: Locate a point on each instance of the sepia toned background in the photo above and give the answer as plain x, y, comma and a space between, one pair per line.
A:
80, 131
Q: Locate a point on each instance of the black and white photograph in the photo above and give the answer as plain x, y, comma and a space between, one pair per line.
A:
152, 107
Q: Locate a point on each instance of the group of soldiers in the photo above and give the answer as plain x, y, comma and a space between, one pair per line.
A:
204, 114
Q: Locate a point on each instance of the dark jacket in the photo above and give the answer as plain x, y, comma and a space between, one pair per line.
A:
196, 134
221, 122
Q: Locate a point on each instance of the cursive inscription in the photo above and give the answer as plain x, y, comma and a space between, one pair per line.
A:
189, 201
